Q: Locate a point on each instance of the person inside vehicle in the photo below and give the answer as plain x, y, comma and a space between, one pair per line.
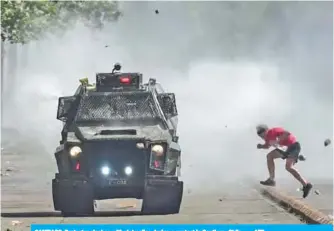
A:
279, 137
168, 105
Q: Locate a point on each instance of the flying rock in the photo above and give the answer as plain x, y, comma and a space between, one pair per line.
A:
327, 142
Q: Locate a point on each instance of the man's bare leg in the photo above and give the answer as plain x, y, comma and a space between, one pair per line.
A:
271, 167
271, 164
289, 166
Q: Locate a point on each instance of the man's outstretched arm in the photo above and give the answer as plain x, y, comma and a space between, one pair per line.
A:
263, 146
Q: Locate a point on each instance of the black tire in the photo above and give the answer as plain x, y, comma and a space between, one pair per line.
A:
73, 198
162, 199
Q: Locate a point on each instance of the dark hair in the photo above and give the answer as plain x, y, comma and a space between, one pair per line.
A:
260, 131
261, 128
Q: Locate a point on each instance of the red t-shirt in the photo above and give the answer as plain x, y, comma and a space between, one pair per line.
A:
273, 133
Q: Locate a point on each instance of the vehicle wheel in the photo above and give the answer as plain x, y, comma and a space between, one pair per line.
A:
163, 198
73, 197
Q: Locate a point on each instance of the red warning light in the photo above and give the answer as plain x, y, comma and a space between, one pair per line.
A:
125, 80
156, 164
77, 166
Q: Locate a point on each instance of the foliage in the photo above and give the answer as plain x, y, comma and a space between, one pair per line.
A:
24, 21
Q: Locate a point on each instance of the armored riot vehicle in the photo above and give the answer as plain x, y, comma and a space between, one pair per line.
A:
119, 140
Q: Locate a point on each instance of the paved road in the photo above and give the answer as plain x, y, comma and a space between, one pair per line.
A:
322, 202
26, 197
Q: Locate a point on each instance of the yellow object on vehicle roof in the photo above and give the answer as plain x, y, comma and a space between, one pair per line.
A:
91, 87
84, 81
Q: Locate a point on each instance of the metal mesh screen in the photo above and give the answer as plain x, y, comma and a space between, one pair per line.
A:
167, 102
120, 106
64, 106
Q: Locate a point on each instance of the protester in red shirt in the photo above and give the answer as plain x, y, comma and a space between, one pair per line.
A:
279, 137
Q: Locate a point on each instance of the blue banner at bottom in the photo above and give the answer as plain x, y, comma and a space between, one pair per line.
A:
166, 227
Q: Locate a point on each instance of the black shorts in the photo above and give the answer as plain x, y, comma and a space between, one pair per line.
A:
293, 151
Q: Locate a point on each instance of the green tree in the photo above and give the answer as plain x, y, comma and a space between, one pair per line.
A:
24, 21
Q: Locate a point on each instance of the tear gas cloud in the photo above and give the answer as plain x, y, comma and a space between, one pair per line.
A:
231, 66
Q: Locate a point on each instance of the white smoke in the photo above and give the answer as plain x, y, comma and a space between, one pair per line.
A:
220, 98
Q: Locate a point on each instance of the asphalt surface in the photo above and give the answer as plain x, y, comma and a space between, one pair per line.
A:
320, 198
27, 199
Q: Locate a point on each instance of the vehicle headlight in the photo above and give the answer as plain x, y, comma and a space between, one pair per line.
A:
140, 145
105, 170
75, 151
158, 150
128, 170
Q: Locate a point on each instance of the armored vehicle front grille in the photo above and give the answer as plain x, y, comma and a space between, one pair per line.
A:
116, 106
117, 159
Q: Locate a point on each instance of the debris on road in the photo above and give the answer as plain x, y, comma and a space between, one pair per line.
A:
5, 174
156, 11
15, 223
317, 192
9, 169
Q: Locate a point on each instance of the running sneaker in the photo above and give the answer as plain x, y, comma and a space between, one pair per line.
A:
268, 182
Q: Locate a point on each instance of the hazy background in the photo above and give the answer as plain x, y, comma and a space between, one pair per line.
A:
231, 65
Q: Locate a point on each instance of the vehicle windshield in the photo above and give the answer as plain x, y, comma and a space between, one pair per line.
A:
107, 107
